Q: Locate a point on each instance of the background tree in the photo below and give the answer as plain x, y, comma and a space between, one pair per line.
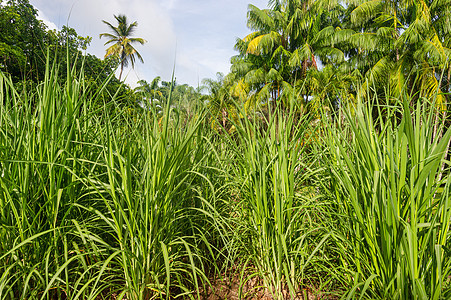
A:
399, 44
25, 44
22, 41
289, 38
149, 94
122, 42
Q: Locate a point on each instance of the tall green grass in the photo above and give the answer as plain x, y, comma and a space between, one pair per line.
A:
153, 193
112, 202
394, 199
39, 132
95, 204
278, 231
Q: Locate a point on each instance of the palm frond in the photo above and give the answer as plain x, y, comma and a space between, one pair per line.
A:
113, 28
259, 19
113, 50
366, 11
264, 44
365, 40
330, 54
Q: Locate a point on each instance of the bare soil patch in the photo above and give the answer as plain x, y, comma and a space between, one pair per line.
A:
229, 289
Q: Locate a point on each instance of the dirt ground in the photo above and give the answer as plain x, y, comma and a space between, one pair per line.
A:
227, 289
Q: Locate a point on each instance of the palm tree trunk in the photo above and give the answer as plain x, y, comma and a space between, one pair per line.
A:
304, 68
314, 62
122, 69
274, 100
224, 118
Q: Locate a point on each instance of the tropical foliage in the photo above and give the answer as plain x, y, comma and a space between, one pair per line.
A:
392, 45
319, 167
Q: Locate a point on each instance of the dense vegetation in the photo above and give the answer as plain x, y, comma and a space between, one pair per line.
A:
318, 167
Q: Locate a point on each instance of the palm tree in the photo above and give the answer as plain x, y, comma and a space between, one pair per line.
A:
330, 88
286, 42
150, 94
221, 103
399, 43
149, 90
122, 42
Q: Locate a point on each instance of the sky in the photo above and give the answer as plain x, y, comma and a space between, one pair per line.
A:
196, 35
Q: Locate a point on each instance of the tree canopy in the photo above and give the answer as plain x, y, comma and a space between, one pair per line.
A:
387, 46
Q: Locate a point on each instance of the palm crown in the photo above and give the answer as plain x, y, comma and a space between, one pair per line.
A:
122, 41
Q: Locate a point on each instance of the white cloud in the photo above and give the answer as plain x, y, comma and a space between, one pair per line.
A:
169, 4
50, 25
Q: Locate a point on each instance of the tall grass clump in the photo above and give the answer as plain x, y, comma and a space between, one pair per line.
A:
100, 202
279, 231
154, 192
391, 182
40, 135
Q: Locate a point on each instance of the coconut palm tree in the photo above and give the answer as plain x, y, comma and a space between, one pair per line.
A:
122, 41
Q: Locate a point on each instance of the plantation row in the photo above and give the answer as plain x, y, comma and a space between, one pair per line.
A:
112, 203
